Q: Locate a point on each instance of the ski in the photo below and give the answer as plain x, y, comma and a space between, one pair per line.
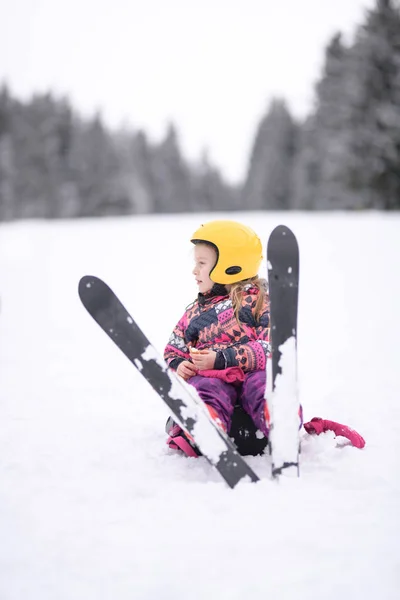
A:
182, 399
282, 395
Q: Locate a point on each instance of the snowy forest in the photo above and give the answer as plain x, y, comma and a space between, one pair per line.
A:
345, 155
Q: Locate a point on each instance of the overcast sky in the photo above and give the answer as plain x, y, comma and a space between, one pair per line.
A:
211, 66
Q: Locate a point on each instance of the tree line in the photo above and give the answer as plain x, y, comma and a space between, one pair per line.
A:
345, 155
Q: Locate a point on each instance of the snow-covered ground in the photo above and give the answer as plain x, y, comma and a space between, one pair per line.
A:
94, 506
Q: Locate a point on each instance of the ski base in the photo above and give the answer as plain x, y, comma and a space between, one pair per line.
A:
282, 394
186, 407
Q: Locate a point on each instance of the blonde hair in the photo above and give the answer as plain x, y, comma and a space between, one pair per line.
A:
237, 290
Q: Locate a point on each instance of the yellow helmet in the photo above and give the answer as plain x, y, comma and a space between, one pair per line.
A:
239, 250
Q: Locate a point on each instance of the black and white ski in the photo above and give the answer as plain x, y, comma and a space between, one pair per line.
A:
282, 392
182, 399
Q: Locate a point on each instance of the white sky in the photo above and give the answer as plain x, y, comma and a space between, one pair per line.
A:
211, 66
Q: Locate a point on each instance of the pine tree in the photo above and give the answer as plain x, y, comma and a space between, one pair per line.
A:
173, 193
96, 167
374, 171
268, 180
7, 162
209, 191
306, 172
323, 154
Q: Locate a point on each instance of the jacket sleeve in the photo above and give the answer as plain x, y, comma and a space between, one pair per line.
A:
176, 351
252, 354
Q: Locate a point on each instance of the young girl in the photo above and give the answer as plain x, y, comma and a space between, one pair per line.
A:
220, 344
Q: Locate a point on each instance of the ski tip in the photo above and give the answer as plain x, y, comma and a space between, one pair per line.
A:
282, 230
85, 282
282, 233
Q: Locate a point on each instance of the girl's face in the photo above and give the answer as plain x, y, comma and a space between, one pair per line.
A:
205, 258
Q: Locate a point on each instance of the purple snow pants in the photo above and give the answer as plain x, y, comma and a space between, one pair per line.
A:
222, 397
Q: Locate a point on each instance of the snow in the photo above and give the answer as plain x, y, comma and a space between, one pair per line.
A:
283, 406
94, 506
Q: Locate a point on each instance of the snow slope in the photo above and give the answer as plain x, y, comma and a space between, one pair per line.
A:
94, 506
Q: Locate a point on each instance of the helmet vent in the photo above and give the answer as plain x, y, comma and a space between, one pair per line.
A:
233, 270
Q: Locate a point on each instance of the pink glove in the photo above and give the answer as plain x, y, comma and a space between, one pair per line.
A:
233, 375
317, 425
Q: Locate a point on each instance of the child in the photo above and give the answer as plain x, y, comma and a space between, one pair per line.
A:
220, 344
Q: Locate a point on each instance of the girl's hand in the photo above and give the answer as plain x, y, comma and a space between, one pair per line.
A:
203, 359
186, 370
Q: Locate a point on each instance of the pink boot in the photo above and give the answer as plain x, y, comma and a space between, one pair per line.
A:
318, 425
178, 441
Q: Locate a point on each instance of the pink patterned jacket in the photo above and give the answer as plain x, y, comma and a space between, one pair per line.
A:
209, 322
